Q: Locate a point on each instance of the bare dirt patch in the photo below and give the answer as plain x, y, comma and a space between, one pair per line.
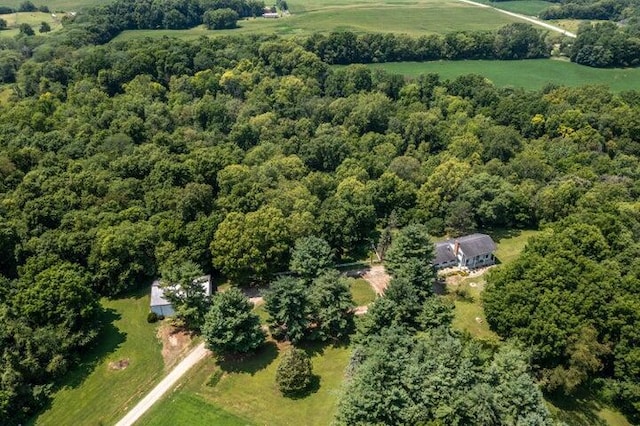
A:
377, 277
121, 364
175, 343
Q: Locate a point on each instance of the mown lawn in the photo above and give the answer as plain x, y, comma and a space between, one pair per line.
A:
96, 393
531, 74
361, 291
244, 392
190, 409
415, 17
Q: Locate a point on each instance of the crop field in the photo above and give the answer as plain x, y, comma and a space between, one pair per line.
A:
411, 17
56, 5
525, 7
532, 74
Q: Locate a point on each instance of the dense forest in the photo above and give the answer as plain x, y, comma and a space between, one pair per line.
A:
118, 160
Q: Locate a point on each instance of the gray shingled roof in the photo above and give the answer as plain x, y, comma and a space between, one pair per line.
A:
476, 244
443, 253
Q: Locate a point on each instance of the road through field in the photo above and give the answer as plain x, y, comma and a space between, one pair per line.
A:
195, 356
526, 18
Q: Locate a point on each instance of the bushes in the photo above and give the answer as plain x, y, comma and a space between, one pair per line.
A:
152, 317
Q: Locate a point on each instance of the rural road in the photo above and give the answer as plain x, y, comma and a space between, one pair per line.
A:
195, 356
526, 18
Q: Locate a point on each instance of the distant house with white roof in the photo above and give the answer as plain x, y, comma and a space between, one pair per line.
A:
471, 251
162, 306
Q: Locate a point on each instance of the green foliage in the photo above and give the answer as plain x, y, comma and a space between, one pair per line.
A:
294, 373
311, 256
331, 305
410, 257
565, 298
287, 303
254, 245
182, 287
231, 326
220, 19
44, 27
439, 377
152, 317
26, 29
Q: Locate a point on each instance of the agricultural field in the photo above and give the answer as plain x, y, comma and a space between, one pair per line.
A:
32, 18
243, 392
125, 365
524, 7
56, 5
532, 74
411, 17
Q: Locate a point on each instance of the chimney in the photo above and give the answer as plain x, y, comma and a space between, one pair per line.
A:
456, 248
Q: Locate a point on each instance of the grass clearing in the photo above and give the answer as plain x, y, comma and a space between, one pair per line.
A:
414, 17
247, 391
96, 393
34, 19
531, 74
361, 291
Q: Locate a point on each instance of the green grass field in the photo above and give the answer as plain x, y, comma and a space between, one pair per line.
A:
32, 18
361, 291
95, 393
56, 5
190, 409
245, 392
530, 74
524, 7
415, 17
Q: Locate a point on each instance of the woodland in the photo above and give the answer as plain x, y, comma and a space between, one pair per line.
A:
120, 161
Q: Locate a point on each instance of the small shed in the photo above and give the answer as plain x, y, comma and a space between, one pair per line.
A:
162, 306
271, 15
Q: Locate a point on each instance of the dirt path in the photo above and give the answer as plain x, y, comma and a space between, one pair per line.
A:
195, 356
526, 18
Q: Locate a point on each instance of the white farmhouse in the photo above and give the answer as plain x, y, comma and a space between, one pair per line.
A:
471, 251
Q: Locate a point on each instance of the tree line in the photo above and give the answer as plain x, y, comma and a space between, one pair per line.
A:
118, 162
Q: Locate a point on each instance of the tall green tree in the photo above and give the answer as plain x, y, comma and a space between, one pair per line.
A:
230, 325
181, 286
287, 303
331, 306
310, 257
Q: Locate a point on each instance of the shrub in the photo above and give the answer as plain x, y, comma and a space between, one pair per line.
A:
152, 317
294, 373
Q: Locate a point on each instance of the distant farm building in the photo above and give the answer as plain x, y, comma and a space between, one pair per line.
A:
271, 15
162, 306
469, 252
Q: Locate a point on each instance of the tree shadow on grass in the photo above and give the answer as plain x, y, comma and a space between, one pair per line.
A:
581, 408
314, 387
108, 340
249, 363
317, 348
